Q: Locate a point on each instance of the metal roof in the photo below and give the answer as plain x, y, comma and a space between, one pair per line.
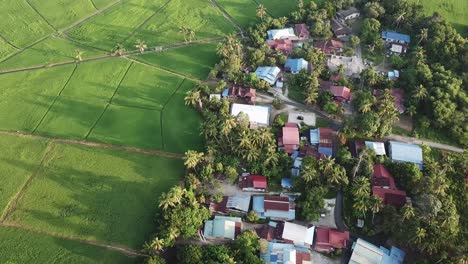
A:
400, 151
259, 115
396, 36
268, 74
378, 147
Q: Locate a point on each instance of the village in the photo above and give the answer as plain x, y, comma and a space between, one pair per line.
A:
271, 212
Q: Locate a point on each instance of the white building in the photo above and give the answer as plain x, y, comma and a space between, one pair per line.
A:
284, 33
298, 234
258, 115
378, 147
268, 74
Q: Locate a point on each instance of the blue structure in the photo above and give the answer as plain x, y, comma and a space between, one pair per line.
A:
314, 136
286, 183
391, 36
327, 151
225, 93
394, 256
365, 252
403, 152
296, 65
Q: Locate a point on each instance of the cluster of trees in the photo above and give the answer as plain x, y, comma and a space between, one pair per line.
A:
316, 18
374, 118
317, 177
245, 249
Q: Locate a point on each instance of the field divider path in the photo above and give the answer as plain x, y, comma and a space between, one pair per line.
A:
17, 198
146, 21
8, 42
25, 48
227, 16
39, 14
94, 5
55, 99
92, 144
122, 249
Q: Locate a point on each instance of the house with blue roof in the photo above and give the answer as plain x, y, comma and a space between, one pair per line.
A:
324, 138
403, 152
296, 65
392, 36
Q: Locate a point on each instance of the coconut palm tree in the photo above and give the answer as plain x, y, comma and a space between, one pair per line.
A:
420, 235
190, 34
119, 50
155, 245
376, 206
165, 201
337, 176
341, 70
192, 98
78, 55
228, 125
141, 46
423, 35
244, 140
311, 97
261, 11
192, 159
420, 93
407, 212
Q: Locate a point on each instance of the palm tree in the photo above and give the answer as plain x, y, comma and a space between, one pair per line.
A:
119, 50
361, 205
326, 165
361, 186
141, 46
156, 245
187, 32
192, 97
337, 176
190, 34
423, 35
176, 194
420, 235
78, 54
309, 174
376, 206
192, 159
228, 124
341, 70
244, 140
261, 11
165, 201
407, 212
312, 96
420, 93
399, 19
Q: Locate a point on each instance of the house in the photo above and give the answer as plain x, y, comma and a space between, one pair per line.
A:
403, 152
398, 48
393, 75
296, 167
283, 45
348, 14
223, 227
242, 94
383, 186
377, 147
274, 207
329, 239
339, 30
325, 85
395, 37
253, 183
289, 141
330, 46
258, 115
298, 235
286, 183
271, 231
231, 204
340, 93
299, 118
284, 33
367, 253
213, 96
268, 74
294, 66
325, 145
279, 253
301, 31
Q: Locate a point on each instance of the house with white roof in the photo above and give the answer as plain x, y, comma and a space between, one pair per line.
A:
279, 253
367, 253
268, 74
284, 33
298, 235
403, 152
377, 147
258, 115
223, 227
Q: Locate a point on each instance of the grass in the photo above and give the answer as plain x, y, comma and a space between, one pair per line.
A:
181, 124
21, 25
62, 13
129, 126
454, 11
26, 96
194, 61
115, 24
279, 8
97, 194
243, 11
51, 50
198, 15
37, 248
146, 87
16, 150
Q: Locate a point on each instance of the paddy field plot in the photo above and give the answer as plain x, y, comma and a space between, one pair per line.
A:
20, 246
194, 61
62, 13
21, 25
19, 158
198, 15
97, 194
101, 3
279, 8
115, 24
5, 49
242, 11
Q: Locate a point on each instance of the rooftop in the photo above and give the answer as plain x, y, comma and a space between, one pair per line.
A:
223, 227
268, 73
378, 147
395, 36
406, 152
298, 234
296, 65
257, 114
284, 33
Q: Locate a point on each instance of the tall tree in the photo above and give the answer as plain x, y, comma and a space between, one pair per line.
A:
141, 46
261, 11
78, 55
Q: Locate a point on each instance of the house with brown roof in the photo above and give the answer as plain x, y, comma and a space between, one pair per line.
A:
242, 94
340, 93
301, 31
289, 140
253, 183
339, 30
329, 239
274, 207
330, 46
283, 45
231, 204
383, 186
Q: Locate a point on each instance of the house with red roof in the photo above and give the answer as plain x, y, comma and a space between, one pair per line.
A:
383, 186
289, 140
340, 93
283, 45
253, 183
301, 31
330, 46
329, 239
242, 94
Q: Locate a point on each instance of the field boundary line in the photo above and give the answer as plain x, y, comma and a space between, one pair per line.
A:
165, 70
25, 48
84, 19
95, 7
137, 107
8, 42
92, 144
120, 83
55, 99
162, 112
122, 249
173, 93
67, 38
97, 121
18, 196
227, 16
146, 20
39, 14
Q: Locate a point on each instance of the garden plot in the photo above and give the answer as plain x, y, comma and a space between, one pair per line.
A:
194, 61
116, 24
97, 194
21, 25
146, 87
129, 126
19, 158
20, 246
48, 51
198, 15
243, 11
62, 13
25, 97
